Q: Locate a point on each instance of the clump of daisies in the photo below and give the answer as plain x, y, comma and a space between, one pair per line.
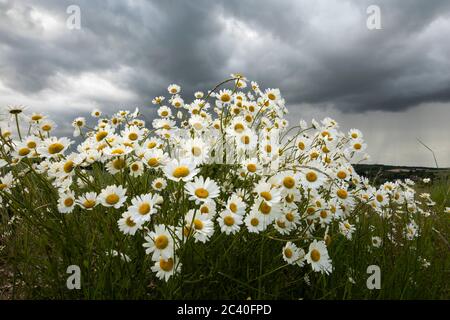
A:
219, 164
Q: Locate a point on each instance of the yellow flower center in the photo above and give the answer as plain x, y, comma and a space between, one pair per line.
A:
357, 146
133, 136
134, 167
204, 209
196, 151
315, 255
342, 175
164, 113
254, 222
55, 148
36, 117
271, 96
112, 199
153, 162
265, 208
281, 224
239, 127
289, 216
68, 166
228, 220
181, 172
301, 145
311, 176
23, 152
68, 202
323, 214
166, 265
144, 208
88, 203
380, 198
46, 127
31, 144
233, 207
354, 135
158, 185
198, 224
161, 242
251, 167
118, 151
341, 193
245, 139
288, 253
225, 97
202, 193
289, 182
266, 195
130, 222
151, 145
119, 164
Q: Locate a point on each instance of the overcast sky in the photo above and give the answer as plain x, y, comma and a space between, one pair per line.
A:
392, 83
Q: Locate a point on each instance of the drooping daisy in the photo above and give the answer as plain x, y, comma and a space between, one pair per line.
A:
88, 200
53, 147
236, 205
78, 124
165, 268
229, 222
116, 165
346, 229
127, 224
208, 208
202, 190
159, 243
183, 169
196, 149
268, 212
136, 168
143, 207
113, 196
291, 254
201, 224
265, 191
6, 182
47, 126
318, 257
155, 158
376, 242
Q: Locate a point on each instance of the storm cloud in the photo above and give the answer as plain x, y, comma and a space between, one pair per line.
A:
319, 53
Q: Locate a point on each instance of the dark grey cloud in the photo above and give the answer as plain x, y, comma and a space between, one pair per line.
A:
317, 52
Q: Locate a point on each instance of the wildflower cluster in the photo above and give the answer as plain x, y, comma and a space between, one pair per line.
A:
225, 164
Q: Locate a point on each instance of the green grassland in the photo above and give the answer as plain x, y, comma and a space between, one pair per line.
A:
41, 243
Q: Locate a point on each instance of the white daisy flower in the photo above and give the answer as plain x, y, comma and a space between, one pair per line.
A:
183, 169
53, 147
318, 257
229, 222
113, 196
143, 207
160, 243
127, 224
202, 190
165, 268
88, 200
